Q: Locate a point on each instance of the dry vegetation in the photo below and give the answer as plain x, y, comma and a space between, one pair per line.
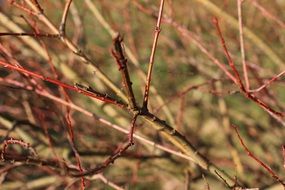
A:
139, 94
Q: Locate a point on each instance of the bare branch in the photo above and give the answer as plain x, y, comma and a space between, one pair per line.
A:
151, 59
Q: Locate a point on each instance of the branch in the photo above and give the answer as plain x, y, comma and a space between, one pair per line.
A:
29, 34
80, 90
151, 59
64, 18
112, 158
239, 4
249, 153
118, 54
237, 76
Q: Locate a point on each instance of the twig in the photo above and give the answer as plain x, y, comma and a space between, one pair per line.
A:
224, 180
112, 158
92, 94
18, 142
151, 59
118, 54
283, 154
92, 7
206, 182
76, 50
38, 6
267, 14
29, 34
22, 7
64, 17
230, 61
90, 114
237, 76
265, 85
190, 36
239, 4
261, 163
187, 180
106, 181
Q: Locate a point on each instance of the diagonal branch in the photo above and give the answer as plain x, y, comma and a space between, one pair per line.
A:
265, 166
116, 155
92, 94
277, 115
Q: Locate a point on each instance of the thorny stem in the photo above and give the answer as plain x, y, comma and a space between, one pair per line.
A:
118, 54
151, 59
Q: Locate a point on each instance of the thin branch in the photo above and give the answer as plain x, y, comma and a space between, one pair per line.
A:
227, 54
106, 181
267, 14
261, 163
265, 85
112, 158
92, 7
118, 54
103, 121
283, 154
64, 17
38, 6
80, 90
239, 4
151, 59
224, 180
29, 34
77, 51
238, 79
190, 36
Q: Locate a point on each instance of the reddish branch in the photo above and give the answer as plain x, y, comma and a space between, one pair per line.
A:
237, 76
21, 143
118, 54
93, 94
23, 7
29, 34
151, 59
249, 153
118, 153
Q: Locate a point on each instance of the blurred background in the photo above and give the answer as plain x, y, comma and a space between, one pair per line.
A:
192, 93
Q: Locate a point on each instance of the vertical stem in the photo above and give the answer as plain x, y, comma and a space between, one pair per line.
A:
151, 59
244, 66
64, 17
